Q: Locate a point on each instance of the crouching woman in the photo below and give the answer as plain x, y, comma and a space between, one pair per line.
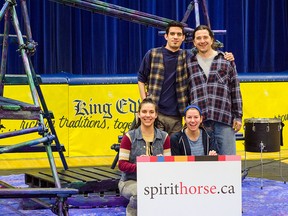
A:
192, 139
145, 140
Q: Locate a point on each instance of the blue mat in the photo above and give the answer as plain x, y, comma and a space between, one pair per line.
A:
272, 200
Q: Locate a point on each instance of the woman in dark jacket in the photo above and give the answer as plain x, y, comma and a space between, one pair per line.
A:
192, 139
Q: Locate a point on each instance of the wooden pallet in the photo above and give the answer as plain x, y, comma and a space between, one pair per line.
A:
101, 180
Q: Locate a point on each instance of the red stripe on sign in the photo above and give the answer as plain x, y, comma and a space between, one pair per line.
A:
153, 159
191, 158
169, 158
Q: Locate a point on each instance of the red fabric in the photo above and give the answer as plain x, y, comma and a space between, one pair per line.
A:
125, 165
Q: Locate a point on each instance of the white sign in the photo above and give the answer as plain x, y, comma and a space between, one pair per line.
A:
189, 187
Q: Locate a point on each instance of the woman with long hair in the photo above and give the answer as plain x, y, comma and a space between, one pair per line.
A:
144, 140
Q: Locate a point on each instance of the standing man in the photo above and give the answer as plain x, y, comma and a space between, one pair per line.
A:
214, 87
163, 77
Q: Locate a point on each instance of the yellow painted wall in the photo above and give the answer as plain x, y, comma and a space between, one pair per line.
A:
98, 114
89, 118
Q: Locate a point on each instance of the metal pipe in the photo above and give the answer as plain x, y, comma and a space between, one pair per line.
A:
48, 138
119, 12
205, 11
3, 9
26, 20
48, 117
188, 12
39, 129
197, 18
5, 45
25, 59
52, 164
30, 44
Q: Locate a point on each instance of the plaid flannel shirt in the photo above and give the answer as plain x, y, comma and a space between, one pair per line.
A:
219, 95
156, 78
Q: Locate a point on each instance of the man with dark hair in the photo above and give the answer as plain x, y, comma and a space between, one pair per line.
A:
163, 77
214, 87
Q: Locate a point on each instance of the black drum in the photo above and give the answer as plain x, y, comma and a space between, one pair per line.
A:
262, 134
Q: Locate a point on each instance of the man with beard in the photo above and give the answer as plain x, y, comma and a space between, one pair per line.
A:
214, 87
